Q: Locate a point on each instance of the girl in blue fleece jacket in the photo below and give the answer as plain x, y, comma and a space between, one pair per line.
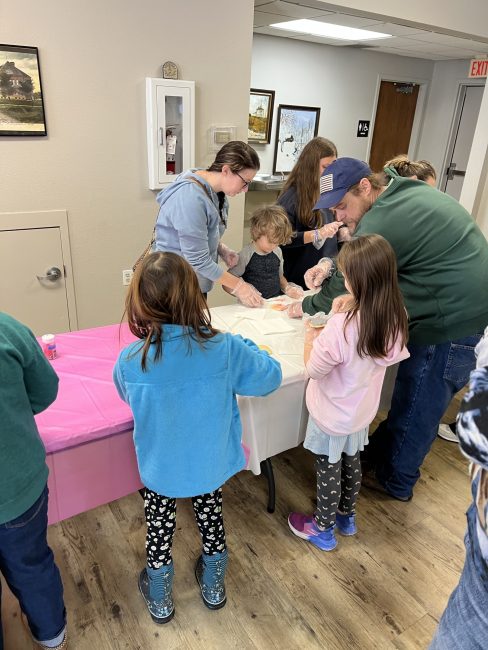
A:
181, 380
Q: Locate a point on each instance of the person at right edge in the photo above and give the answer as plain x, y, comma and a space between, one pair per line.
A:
442, 259
464, 624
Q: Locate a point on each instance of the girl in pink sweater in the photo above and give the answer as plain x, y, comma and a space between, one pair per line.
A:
346, 363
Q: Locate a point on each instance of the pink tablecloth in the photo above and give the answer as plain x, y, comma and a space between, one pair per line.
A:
87, 407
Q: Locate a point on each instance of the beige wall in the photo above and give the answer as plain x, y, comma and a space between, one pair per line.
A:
94, 57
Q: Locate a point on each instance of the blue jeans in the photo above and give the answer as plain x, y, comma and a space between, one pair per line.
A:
424, 387
27, 564
464, 623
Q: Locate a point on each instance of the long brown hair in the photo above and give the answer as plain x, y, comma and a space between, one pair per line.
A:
305, 178
165, 291
369, 264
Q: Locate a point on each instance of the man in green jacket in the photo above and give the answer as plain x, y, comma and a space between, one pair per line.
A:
28, 385
442, 259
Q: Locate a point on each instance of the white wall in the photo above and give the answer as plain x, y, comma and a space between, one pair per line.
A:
441, 108
342, 81
94, 57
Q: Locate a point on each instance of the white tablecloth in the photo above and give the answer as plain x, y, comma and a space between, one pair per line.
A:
277, 422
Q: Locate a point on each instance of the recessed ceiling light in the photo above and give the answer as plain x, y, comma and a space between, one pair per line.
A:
328, 30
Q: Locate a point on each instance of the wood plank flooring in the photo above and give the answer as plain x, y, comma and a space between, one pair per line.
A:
384, 588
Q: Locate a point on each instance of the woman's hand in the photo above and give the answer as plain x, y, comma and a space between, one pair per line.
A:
329, 229
343, 303
246, 294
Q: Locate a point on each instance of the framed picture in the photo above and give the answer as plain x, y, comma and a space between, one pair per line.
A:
296, 126
261, 104
21, 102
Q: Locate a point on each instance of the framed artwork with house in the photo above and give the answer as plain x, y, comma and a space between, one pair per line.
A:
261, 104
21, 101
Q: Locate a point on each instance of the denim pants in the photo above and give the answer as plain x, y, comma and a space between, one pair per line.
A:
27, 564
464, 623
425, 384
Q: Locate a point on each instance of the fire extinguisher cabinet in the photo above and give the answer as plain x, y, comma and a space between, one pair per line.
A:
170, 108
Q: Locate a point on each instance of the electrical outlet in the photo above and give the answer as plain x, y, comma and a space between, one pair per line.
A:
127, 277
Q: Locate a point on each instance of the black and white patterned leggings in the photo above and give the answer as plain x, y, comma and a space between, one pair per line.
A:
161, 524
337, 487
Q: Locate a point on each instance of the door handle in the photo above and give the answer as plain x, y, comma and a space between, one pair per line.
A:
52, 275
452, 171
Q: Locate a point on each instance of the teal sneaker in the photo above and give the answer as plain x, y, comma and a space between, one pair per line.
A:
304, 526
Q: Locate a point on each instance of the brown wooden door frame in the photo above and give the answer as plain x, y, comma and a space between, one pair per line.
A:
419, 113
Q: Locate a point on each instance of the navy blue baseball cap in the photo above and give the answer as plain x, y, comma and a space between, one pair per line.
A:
337, 178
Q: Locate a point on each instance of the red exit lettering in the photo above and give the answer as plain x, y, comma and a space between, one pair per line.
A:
478, 68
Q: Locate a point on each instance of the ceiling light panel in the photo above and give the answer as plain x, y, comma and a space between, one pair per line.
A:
328, 30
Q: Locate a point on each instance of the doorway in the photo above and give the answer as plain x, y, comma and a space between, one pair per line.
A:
395, 114
464, 125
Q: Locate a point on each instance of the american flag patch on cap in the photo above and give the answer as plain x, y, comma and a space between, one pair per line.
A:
326, 183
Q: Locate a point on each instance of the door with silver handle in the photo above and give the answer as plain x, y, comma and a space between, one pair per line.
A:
52, 275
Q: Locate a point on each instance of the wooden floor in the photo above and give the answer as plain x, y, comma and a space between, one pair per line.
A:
384, 588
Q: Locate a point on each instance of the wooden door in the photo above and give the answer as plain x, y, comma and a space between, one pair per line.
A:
395, 113
40, 303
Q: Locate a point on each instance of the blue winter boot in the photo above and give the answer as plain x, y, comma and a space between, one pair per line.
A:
210, 575
155, 586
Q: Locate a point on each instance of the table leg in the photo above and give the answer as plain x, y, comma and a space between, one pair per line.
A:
267, 470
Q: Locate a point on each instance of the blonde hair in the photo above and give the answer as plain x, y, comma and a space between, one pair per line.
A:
422, 169
272, 221
165, 291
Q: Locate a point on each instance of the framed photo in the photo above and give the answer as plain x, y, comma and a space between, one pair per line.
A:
296, 126
21, 102
261, 104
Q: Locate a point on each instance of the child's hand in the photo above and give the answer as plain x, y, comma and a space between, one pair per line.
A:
294, 291
343, 303
230, 257
311, 333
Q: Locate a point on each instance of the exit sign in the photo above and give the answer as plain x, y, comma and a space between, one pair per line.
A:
478, 68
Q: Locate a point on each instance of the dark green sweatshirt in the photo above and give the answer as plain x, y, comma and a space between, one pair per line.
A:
442, 259
28, 385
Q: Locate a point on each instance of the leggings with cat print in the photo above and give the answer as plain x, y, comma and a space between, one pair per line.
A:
161, 524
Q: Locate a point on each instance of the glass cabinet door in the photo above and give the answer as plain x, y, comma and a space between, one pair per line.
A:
170, 121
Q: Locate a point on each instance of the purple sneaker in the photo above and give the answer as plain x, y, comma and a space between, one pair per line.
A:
346, 524
305, 527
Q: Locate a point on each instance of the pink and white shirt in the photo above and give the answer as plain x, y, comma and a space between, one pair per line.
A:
344, 390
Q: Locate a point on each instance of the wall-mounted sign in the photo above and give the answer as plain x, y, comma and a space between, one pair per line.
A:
363, 129
478, 68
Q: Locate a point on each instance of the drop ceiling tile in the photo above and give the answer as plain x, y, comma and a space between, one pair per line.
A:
262, 19
349, 21
409, 53
398, 30
293, 10
441, 39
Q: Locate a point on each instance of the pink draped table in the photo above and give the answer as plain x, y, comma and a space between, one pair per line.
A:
87, 431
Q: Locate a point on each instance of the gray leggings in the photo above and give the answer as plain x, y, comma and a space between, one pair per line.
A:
337, 487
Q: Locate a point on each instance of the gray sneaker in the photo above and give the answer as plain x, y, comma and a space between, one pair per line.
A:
446, 433
160, 604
